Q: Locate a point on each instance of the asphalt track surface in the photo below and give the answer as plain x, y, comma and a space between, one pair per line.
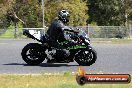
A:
112, 58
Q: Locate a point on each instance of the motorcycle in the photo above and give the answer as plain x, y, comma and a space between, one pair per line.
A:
76, 48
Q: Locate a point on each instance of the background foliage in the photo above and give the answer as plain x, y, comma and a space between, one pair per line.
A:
30, 11
83, 12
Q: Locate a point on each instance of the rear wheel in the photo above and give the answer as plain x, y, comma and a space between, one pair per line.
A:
86, 57
33, 54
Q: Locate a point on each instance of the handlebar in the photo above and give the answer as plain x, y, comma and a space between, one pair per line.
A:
70, 30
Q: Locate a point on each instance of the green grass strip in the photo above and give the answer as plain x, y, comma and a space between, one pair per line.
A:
50, 81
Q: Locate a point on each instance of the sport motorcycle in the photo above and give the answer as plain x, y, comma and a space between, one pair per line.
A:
76, 48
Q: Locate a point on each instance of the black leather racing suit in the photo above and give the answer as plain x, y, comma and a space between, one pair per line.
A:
55, 33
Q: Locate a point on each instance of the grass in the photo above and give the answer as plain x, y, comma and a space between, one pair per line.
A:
49, 81
9, 35
111, 41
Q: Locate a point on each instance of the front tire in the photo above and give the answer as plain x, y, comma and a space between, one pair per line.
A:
86, 57
33, 54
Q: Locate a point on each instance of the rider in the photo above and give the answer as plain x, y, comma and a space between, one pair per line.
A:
55, 31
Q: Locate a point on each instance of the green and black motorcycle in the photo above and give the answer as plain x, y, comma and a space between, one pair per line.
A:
76, 48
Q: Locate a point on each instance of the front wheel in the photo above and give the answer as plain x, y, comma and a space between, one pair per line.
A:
86, 57
33, 54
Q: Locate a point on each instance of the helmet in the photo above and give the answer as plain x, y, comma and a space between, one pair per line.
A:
63, 15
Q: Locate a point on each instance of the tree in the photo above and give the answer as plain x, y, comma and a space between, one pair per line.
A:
106, 12
5, 5
127, 5
30, 11
77, 9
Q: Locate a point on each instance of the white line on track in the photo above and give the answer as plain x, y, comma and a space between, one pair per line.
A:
3, 43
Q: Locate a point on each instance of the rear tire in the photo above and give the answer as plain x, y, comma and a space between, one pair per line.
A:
36, 54
86, 59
